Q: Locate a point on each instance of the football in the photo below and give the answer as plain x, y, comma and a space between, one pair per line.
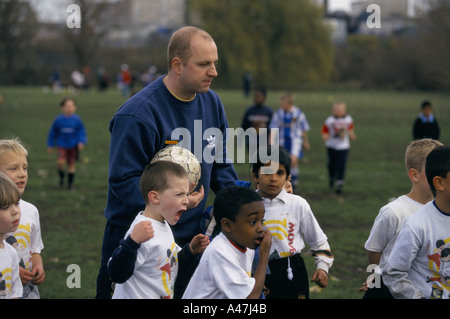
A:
185, 158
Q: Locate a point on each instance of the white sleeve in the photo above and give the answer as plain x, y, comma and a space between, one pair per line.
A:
395, 274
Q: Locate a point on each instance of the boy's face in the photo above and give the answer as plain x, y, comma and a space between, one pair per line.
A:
270, 185
247, 230
9, 218
339, 110
173, 201
15, 166
69, 108
443, 187
285, 104
422, 182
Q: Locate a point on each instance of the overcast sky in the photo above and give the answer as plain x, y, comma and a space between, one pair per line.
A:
55, 10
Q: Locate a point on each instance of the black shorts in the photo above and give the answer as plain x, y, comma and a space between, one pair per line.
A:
278, 283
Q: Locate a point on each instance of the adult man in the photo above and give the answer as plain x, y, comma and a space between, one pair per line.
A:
144, 125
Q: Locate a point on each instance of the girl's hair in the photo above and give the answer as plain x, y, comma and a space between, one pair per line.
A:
156, 175
9, 193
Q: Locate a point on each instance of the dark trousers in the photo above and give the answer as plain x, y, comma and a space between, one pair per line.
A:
378, 293
278, 283
111, 238
337, 160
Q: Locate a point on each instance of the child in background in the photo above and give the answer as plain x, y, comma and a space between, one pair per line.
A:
418, 264
426, 125
10, 284
337, 131
224, 271
387, 224
257, 116
27, 239
293, 132
146, 263
291, 222
68, 134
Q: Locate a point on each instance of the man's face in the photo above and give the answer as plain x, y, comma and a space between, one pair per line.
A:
200, 69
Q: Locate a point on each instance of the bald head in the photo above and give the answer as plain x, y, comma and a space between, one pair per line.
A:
180, 43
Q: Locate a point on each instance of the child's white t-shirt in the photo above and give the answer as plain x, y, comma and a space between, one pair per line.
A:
224, 272
156, 265
416, 253
291, 222
10, 283
28, 241
338, 130
387, 224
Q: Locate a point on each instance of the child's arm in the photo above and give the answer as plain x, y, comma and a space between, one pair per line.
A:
121, 264
38, 269
198, 244
324, 259
260, 272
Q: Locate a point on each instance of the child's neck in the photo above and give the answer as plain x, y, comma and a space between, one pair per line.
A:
151, 213
419, 196
443, 203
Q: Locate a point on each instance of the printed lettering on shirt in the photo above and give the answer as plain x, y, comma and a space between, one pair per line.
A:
283, 231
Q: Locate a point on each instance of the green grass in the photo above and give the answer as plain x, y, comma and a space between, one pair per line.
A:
72, 222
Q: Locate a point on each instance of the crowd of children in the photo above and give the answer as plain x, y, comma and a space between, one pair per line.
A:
255, 250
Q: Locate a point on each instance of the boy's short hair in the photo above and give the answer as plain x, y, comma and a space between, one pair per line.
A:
425, 104
437, 164
9, 192
283, 158
417, 152
156, 175
12, 145
64, 100
228, 202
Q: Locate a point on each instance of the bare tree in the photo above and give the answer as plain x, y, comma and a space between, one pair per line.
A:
17, 29
95, 22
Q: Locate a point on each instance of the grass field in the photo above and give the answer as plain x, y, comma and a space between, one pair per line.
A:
72, 222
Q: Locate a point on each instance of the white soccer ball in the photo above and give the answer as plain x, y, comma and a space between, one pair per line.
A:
185, 158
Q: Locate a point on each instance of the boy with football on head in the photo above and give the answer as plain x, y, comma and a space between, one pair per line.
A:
145, 265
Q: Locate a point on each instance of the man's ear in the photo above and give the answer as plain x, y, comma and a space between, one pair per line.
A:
226, 225
153, 197
177, 65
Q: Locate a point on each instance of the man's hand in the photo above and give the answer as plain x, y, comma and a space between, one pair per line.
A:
196, 197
